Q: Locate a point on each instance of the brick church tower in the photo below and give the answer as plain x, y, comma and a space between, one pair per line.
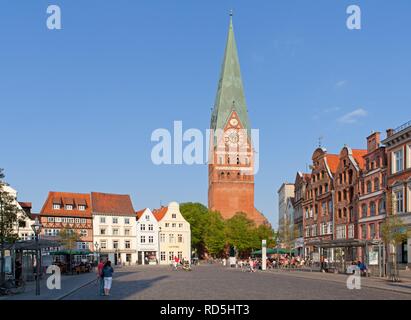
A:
231, 162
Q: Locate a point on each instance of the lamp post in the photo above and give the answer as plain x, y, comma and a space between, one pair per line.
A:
158, 240
97, 252
37, 228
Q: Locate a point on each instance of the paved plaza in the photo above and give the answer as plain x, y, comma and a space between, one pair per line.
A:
207, 282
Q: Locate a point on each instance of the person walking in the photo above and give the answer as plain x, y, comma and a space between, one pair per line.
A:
108, 277
100, 277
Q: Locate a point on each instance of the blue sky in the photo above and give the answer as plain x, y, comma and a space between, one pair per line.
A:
78, 105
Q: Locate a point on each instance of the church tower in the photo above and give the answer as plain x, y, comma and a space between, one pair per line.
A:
231, 159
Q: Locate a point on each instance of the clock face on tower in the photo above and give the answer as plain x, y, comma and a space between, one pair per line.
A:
234, 122
234, 137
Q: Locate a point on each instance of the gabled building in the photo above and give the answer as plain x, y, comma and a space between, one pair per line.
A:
398, 150
147, 237
300, 185
372, 195
114, 227
319, 202
69, 211
175, 234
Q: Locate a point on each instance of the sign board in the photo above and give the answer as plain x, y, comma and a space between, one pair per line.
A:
233, 261
373, 258
316, 256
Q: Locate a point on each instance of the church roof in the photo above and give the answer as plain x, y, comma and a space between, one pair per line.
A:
230, 93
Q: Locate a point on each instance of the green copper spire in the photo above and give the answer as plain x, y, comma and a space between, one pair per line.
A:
230, 94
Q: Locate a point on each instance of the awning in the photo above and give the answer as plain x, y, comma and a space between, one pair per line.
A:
342, 243
71, 252
274, 251
32, 245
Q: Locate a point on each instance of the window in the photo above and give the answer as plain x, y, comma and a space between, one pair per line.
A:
372, 231
364, 210
115, 220
77, 220
150, 227
115, 232
126, 232
162, 256
69, 207
339, 213
314, 230
82, 207
180, 255
372, 209
180, 238
102, 231
102, 220
398, 161
57, 220
323, 228
127, 244
147, 217
162, 237
363, 231
143, 227
82, 245
150, 239
341, 232
351, 231
170, 256
103, 244
381, 206
173, 225
171, 238
376, 184
369, 187
324, 208
399, 203
167, 225
174, 216
83, 221
115, 244
83, 233
126, 221
50, 219
307, 231
339, 195
143, 239
180, 225
329, 228
56, 206
71, 220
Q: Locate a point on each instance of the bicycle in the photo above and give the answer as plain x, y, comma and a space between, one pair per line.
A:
12, 287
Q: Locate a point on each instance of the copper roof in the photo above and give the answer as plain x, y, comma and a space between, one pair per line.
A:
112, 204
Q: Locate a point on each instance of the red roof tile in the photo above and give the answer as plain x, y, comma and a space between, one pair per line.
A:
160, 213
140, 213
77, 198
333, 161
358, 155
113, 204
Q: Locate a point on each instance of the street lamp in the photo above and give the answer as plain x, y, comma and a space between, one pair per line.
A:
37, 229
158, 240
97, 252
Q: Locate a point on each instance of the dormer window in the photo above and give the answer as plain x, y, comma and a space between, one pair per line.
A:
82, 207
147, 217
69, 207
56, 206
174, 216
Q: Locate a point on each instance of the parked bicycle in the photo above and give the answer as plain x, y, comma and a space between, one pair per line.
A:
12, 287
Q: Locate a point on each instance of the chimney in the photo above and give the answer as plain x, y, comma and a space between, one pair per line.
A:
373, 141
390, 132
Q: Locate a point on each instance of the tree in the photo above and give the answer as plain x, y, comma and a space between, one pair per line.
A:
69, 238
214, 234
239, 232
394, 232
8, 220
196, 214
287, 232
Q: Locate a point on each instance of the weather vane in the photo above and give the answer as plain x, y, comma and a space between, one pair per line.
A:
231, 12
320, 140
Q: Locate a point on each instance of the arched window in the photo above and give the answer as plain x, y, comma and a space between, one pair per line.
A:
381, 206
369, 187
345, 194
222, 174
372, 209
238, 160
339, 213
326, 188
339, 195
345, 212
364, 210
376, 184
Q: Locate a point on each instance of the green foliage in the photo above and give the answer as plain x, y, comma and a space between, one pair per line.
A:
213, 235
69, 239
